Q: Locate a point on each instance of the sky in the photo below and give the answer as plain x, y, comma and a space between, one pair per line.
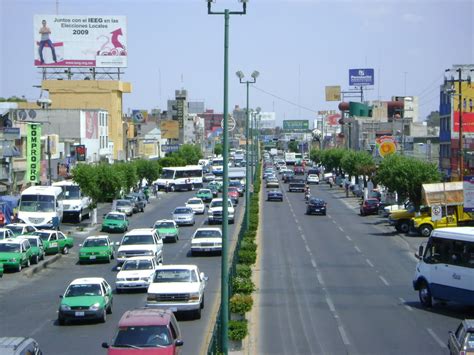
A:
298, 46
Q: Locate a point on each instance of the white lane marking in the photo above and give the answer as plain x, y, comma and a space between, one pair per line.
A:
357, 248
344, 337
303, 237
342, 230
299, 228
330, 304
320, 278
405, 305
369, 262
333, 221
329, 216
436, 338
313, 262
384, 281
348, 238
307, 248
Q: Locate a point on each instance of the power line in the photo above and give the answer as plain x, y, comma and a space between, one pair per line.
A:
430, 85
285, 100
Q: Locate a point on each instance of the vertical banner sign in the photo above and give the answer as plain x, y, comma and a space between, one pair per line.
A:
468, 190
33, 152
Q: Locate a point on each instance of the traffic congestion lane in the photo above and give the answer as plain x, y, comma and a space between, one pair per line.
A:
33, 310
368, 279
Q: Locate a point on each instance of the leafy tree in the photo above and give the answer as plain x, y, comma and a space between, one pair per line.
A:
293, 147
315, 155
365, 165
349, 163
13, 99
129, 173
331, 158
218, 149
190, 153
110, 182
86, 177
147, 169
171, 160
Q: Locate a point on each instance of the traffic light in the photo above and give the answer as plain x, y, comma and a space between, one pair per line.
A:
81, 152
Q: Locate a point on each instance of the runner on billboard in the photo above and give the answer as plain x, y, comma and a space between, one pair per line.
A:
45, 40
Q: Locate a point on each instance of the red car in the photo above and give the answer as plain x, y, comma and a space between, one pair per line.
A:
233, 194
298, 170
369, 206
146, 331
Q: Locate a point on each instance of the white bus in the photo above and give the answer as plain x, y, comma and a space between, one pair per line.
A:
76, 205
445, 270
41, 206
180, 178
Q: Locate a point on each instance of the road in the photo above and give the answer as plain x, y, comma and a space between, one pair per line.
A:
29, 305
342, 284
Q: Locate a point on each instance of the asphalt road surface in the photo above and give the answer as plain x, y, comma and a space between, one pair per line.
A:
342, 284
29, 305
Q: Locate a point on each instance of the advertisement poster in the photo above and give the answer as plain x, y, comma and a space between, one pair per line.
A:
333, 93
80, 41
169, 129
92, 125
33, 153
468, 190
467, 105
360, 77
386, 145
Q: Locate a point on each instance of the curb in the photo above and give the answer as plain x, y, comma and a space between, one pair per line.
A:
44, 264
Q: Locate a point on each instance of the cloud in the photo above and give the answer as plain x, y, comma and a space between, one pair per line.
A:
412, 18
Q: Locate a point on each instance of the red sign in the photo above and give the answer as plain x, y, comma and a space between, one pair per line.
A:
467, 122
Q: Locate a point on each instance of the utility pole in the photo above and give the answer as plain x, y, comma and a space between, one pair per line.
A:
48, 152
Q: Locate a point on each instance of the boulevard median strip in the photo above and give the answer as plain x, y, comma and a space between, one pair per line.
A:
37, 268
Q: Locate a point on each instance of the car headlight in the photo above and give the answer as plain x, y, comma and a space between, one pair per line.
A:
12, 260
149, 252
75, 207
121, 254
95, 307
49, 222
145, 279
194, 296
65, 307
82, 254
151, 297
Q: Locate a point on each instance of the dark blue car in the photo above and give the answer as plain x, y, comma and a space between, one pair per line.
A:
316, 206
275, 195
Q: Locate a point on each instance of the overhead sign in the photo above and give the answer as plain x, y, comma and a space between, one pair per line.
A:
80, 41
333, 93
169, 129
436, 213
9, 133
169, 148
468, 191
230, 123
139, 116
360, 77
33, 152
295, 125
467, 109
180, 111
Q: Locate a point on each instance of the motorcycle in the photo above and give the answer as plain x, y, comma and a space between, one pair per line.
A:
307, 195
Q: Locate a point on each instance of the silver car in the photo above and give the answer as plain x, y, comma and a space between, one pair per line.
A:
183, 215
124, 206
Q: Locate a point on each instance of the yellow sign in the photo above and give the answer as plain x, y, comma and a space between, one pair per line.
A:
169, 129
386, 145
333, 93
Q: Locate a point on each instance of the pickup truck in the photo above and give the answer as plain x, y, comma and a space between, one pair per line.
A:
452, 216
140, 242
214, 212
296, 186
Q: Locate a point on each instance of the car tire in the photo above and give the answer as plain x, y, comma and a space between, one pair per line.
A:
175, 239
108, 259
424, 295
28, 262
112, 256
118, 290
197, 313
103, 318
65, 251
425, 230
18, 268
35, 259
42, 257
202, 302
404, 226
79, 217
61, 321
109, 309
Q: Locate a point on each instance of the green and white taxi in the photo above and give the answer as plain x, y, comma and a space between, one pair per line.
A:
37, 247
115, 222
167, 229
1, 269
5, 233
21, 228
205, 195
96, 248
15, 253
87, 298
55, 241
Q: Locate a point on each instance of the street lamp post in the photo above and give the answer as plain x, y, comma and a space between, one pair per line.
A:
225, 178
248, 182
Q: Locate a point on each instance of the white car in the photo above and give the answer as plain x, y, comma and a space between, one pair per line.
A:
206, 240
141, 242
312, 179
214, 213
196, 205
136, 273
178, 287
6, 233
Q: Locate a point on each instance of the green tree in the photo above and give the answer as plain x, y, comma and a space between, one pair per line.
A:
293, 147
331, 158
86, 177
129, 174
190, 153
365, 165
110, 182
218, 149
349, 163
147, 169
171, 160
13, 99
315, 155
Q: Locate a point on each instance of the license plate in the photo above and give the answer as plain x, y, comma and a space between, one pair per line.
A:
92, 257
53, 245
207, 249
79, 314
317, 209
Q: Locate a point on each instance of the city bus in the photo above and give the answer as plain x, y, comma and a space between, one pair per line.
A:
445, 271
41, 206
180, 178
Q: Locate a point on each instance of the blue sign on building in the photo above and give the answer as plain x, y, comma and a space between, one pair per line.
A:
359, 77
169, 148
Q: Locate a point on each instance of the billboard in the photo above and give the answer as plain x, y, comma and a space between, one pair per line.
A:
169, 129
295, 125
267, 120
33, 152
92, 125
386, 145
467, 109
360, 77
80, 41
139, 116
333, 93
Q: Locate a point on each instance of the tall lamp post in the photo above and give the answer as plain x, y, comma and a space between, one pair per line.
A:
255, 139
225, 178
248, 182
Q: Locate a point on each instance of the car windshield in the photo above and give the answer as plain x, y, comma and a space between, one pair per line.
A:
149, 336
115, 217
83, 290
371, 202
218, 204
33, 242
10, 248
175, 275
137, 239
15, 229
159, 225
233, 189
182, 211
234, 183
167, 174
137, 265
194, 202
91, 243
123, 203
72, 192
42, 235
207, 234
37, 203
204, 192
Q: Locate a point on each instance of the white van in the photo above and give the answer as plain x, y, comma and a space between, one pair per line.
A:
41, 206
76, 205
445, 270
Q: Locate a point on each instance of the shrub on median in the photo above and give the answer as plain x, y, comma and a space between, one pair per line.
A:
243, 271
247, 257
248, 244
238, 329
242, 285
240, 304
